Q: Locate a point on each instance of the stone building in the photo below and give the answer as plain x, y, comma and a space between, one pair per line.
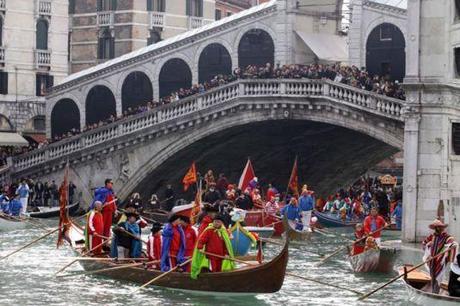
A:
33, 57
377, 36
104, 29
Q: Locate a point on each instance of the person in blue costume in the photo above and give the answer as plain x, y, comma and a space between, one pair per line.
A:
173, 250
292, 210
397, 214
127, 245
101, 193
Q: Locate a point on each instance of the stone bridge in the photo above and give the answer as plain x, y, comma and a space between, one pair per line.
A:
129, 149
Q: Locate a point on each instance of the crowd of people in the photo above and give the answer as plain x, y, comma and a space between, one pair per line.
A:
33, 194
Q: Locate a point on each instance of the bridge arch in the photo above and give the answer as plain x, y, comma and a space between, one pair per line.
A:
213, 59
100, 104
385, 51
65, 117
256, 47
175, 73
136, 90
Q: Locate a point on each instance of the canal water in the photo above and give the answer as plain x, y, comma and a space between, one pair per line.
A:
27, 278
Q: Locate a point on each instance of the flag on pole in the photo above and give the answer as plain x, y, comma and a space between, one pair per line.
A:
247, 175
294, 180
190, 177
64, 222
196, 208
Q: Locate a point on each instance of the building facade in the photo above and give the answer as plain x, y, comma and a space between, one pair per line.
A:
104, 29
33, 56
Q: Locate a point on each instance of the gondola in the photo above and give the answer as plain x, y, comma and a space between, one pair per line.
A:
293, 234
51, 212
416, 281
8, 223
267, 277
373, 260
334, 220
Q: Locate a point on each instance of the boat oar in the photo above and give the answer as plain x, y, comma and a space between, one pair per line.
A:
130, 265
30, 243
161, 276
323, 283
403, 274
346, 246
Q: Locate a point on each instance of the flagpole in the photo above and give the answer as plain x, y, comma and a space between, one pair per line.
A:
290, 178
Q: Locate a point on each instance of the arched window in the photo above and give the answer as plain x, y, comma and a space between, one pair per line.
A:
174, 74
100, 105
65, 117
106, 45
256, 47
156, 5
155, 37
136, 91
214, 60
106, 5
42, 35
194, 8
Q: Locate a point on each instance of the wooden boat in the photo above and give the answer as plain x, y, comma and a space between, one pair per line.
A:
8, 223
333, 220
293, 234
267, 277
373, 260
416, 281
51, 212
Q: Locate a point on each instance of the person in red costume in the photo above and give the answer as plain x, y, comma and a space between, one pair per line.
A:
374, 222
109, 208
173, 249
95, 228
154, 245
212, 242
190, 240
210, 212
359, 244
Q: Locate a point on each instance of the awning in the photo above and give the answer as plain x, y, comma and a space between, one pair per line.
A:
12, 139
327, 47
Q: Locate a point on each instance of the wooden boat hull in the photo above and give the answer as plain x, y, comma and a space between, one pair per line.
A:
332, 220
264, 278
10, 225
295, 235
374, 260
258, 218
54, 212
414, 284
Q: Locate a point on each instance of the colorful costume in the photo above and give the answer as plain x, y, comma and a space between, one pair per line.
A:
173, 250
106, 197
204, 224
372, 224
215, 241
397, 214
358, 247
94, 227
190, 242
154, 248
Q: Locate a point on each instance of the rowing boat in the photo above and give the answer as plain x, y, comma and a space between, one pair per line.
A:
416, 282
267, 277
8, 223
293, 234
334, 220
51, 212
258, 218
373, 260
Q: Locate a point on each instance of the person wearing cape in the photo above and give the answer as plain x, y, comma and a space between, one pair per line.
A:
173, 249
213, 240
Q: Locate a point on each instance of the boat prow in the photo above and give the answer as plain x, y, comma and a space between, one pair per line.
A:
416, 281
295, 235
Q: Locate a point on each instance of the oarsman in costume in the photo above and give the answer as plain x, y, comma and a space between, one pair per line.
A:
374, 222
173, 250
210, 212
94, 229
434, 244
190, 240
358, 247
107, 197
213, 240
127, 238
154, 244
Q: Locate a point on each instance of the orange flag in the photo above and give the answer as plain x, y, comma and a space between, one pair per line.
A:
294, 180
196, 207
190, 177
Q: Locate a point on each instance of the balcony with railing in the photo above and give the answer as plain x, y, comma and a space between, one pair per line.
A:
157, 19
105, 19
42, 58
2, 5
196, 22
44, 7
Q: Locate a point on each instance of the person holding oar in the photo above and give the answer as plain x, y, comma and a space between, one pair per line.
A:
123, 244
94, 229
374, 223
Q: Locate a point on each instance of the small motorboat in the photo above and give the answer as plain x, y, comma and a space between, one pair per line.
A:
52, 212
417, 283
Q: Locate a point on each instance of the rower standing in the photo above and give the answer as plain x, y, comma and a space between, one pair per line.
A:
190, 239
95, 229
106, 196
435, 244
154, 244
374, 222
173, 249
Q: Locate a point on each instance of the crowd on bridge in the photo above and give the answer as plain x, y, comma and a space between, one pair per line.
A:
349, 75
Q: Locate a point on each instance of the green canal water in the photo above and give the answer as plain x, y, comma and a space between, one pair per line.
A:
27, 278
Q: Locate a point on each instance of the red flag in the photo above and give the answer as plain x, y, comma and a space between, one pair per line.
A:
64, 222
196, 207
247, 175
190, 177
294, 180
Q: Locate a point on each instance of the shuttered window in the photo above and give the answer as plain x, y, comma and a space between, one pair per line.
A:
194, 8
156, 5
3, 82
43, 82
